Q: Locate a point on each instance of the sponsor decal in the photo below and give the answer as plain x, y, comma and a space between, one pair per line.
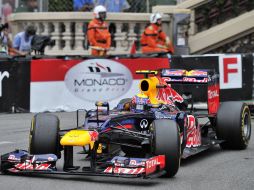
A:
3, 75
133, 163
144, 124
130, 162
93, 135
193, 133
199, 73
168, 95
13, 158
213, 94
124, 126
191, 79
51, 159
230, 71
119, 170
98, 78
172, 72
163, 115
29, 166
213, 98
153, 163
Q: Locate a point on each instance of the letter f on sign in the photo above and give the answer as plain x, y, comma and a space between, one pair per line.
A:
2, 75
227, 70
230, 71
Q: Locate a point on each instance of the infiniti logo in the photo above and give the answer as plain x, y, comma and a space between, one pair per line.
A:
144, 124
98, 79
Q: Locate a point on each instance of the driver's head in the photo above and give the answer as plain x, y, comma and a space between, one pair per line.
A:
100, 12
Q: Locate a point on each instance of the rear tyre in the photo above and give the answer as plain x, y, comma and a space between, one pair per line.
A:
233, 125
167, 142
44, 135
1, 168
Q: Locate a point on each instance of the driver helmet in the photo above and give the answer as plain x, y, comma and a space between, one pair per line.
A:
139, 103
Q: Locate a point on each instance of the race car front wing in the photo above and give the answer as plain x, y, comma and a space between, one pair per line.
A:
21, 162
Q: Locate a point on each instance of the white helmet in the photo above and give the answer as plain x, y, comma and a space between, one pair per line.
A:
98, 9
155, 17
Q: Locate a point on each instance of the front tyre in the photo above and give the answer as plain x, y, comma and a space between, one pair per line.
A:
167, 142
233, 125
44, 135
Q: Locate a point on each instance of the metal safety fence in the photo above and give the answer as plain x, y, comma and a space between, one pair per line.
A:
138, 6
68, 5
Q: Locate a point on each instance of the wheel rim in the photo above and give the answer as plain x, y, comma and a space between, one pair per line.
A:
246, 127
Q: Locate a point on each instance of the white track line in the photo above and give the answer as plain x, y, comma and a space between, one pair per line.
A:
5, 142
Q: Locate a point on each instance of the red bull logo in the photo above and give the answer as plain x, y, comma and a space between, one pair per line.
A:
193, 133
168, 94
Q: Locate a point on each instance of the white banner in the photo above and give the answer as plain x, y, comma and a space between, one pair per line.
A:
230, 67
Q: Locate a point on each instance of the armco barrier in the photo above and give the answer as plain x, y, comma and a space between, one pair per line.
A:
69, 83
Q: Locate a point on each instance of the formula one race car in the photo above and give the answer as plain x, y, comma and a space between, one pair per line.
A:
144, 136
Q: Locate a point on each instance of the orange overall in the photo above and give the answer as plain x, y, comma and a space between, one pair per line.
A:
154, 39
99, 37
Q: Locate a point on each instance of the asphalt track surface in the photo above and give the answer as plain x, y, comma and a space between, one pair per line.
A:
213, 169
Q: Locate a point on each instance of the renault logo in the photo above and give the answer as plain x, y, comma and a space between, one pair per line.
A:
144, 124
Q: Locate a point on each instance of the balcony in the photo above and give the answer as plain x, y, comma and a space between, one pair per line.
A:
68, 29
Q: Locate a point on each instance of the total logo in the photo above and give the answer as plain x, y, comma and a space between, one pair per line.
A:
98, 79
212, 94
152, 163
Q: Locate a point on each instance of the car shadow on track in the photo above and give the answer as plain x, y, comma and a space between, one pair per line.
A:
201, 156
138, 182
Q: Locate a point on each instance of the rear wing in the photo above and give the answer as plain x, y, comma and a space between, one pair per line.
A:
184, 76
193, 82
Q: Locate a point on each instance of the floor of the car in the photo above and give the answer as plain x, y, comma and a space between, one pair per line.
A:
206, 144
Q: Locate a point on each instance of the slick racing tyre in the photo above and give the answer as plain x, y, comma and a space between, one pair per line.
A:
167, 142
44, 135
1, 166
2, 170
233, 124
